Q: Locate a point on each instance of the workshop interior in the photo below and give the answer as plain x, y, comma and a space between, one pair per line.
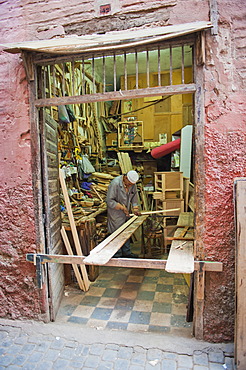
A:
89, 141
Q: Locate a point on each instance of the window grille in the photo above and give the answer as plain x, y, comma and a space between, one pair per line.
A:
113, 72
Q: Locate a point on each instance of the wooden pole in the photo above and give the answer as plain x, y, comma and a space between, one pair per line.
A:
199, 300
95, 190
70, 252
73, 228
240, 262
159, 211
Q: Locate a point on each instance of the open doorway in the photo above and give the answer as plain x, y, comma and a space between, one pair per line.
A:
100, 131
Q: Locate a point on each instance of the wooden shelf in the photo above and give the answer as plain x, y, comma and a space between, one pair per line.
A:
170, 184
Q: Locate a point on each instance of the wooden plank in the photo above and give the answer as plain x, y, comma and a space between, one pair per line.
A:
240, 322
158, 195
102, 175
186, 219
175, 238
107, 41
180, 258
127, 161
143, 197
181, 255
70, 252
121, 163
117, 95
50, 189
199, 300
73, 228
103, 255
93, 269
112, 236
122, 262
159, 211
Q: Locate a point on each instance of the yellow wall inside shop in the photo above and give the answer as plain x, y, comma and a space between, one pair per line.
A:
167, 116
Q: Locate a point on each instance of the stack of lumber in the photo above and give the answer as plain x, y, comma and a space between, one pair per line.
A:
124, 162
102, 181
82, 214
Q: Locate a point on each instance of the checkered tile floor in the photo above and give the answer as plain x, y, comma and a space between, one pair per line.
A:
130, 299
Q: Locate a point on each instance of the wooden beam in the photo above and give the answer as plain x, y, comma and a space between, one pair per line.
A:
103, 255
28, 64
112, 236
73, 228
123, 39
70, 252
180, 238
240, 322
199, 300
159, 211
117, 95
121, 262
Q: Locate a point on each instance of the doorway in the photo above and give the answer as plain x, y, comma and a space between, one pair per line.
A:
167, 110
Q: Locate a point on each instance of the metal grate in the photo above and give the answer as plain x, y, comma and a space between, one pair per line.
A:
112, 72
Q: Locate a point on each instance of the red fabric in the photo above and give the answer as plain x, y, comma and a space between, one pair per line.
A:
165, 149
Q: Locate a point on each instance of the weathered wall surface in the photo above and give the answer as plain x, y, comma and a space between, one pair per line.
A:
224, 137
19, 295
225, 159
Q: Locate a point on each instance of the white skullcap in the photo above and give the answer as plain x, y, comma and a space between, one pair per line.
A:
132, 176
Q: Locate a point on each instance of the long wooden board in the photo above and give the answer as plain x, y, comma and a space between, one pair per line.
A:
102, 255
158, 211
240, 322
180, 259
70, 252
122, 262
73, 228
112, 236
181, 255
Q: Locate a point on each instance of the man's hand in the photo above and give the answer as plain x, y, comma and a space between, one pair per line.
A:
123, 208
136, 211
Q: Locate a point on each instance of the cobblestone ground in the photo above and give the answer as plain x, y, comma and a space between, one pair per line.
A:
48, 346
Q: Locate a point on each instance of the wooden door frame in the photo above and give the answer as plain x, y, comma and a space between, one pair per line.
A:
37, 179
199, 115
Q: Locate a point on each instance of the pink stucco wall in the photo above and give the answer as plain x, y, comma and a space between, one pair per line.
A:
19, 295
225, 159
223, 138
